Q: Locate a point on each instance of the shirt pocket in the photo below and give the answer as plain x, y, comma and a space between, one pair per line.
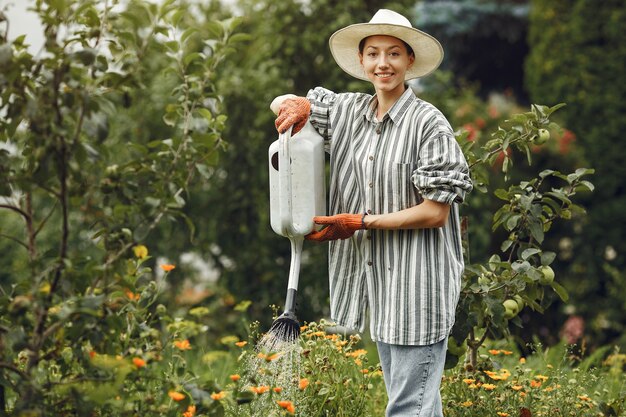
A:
404, 192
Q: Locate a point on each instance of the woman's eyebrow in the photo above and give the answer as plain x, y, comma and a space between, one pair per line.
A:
376, 47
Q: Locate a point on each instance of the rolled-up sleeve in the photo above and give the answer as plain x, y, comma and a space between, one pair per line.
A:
442, 174
322, 102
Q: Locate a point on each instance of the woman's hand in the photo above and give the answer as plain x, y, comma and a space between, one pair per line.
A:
339, 226
292, 111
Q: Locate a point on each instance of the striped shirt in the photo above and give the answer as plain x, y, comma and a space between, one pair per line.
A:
409, 279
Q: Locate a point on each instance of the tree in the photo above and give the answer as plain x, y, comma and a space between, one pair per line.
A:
79, 191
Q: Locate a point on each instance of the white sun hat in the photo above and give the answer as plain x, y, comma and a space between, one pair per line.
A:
344, 44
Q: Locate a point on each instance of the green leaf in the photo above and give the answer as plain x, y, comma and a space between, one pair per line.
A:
562, 292
536, 230
547, 257
527, 253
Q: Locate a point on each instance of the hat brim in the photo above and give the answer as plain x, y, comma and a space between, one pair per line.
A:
344, 46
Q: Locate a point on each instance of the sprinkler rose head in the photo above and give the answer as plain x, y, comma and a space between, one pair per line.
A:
286, 327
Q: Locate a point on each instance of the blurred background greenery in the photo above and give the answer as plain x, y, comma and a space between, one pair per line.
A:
500, 57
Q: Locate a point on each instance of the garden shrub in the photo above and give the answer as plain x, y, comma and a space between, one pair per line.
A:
577, 55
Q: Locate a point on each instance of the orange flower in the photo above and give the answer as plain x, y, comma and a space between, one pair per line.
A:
92, 354
132, 296
522, 360
278, 390
516, 387
584, 398
494, 351
535, 384
287, 405
235, 377
182, 344
469, 381
139, 363
501, 414
241, 344
191, 411
506, 352
357, 353
218, 395
167, 267
176, 396
260, 390
304, 382
365, 371
489, 387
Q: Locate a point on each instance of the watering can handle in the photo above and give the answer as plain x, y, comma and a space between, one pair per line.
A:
284, 175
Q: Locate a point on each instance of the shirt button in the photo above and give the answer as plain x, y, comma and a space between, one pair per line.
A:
369, 211
378, 130
369, 263
371, 158
371, 184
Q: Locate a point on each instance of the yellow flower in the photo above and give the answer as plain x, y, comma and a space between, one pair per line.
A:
522, 360
287, 405
140, 251
218, 395
584, 398
535, 384
516, 387
303, 328
541, 378
182, 344
167, 267
304, 382
191, 411
506, 352
469, 381
467, 404
235, 377
489, 387
176, 396
241, 344
139, 363
501, 414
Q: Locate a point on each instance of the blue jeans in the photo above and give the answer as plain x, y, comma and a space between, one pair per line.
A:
412, 377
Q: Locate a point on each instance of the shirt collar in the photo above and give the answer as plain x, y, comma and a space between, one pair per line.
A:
397, 111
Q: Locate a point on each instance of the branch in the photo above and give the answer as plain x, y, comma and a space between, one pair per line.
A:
17, 210
14, 369
14, 239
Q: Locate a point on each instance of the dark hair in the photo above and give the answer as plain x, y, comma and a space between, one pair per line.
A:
409, 50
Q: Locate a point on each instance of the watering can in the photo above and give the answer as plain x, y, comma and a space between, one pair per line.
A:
297, 194
297, 181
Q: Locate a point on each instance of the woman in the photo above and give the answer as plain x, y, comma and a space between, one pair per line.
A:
397, 177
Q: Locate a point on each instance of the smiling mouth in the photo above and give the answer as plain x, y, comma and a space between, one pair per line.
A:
383, 74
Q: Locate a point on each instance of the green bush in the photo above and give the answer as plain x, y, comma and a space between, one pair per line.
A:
577, 55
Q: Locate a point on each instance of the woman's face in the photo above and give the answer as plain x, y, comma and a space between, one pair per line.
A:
385, 61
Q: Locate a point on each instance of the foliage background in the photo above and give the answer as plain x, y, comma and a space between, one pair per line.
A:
217, 230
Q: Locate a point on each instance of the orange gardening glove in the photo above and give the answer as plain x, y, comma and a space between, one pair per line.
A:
339, 226
293, 112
